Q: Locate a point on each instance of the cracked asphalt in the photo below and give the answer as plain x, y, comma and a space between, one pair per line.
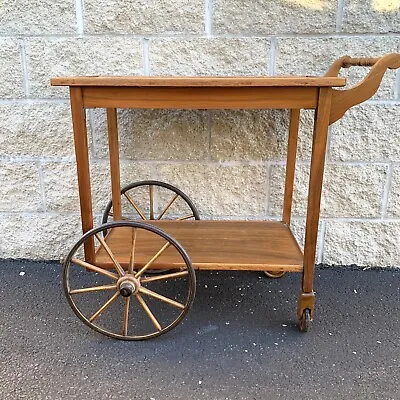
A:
239, 341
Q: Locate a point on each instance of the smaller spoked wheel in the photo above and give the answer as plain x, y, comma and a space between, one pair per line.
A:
274, 274
305, 321
115, 295
153, 200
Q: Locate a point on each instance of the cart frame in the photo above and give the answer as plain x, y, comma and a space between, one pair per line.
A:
294, 93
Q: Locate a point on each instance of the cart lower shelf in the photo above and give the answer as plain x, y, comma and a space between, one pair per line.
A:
211, 245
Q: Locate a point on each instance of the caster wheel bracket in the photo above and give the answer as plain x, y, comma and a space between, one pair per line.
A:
306, 301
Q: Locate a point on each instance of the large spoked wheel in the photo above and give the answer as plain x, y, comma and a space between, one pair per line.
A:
115, 296
153, 200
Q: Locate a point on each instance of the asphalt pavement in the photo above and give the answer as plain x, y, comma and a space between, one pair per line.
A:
239, 341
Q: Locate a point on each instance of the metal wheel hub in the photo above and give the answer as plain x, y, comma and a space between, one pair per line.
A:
128, 285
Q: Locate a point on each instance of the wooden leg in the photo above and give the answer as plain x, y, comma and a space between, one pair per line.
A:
321, 123
290, 165
114, 162
82, 163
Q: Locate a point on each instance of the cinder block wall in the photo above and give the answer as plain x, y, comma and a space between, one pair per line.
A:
230, 163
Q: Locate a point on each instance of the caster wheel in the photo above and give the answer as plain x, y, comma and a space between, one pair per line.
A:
274, 274
305, 321
153, 200
115, 295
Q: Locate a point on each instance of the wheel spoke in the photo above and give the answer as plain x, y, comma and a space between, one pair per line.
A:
185, 217
168, 206
132, 258
118, 267
93, 289
94, 268
126, 316
151, 193
148, 312
163, 277
158, 254
162, 298
103, 307
135, 206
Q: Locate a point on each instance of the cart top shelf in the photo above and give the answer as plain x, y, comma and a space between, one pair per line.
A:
197, 92
187, 81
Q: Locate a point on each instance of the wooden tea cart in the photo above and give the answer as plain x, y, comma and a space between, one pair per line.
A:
134, 278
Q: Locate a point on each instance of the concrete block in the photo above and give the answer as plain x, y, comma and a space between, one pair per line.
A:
11, 75
38, 236
273, 17
367, 132
374, 244
348, 191
37, 130
376, 16
100, 55
144, 17
393, 209
61, 185
155, 134
200, 56
249, 135
218, 190
37, 17
20, 187
258, 135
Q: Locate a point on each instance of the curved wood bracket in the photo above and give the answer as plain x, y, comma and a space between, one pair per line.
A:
342, 100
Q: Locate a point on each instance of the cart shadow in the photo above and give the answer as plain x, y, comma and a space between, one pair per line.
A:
243, 304
244, 299
231, 310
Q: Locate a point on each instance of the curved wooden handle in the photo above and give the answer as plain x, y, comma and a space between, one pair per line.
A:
342, 100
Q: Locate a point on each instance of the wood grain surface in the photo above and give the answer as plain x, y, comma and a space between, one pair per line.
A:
195, 81
233, 245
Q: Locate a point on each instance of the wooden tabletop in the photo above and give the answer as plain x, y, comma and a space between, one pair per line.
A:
204, 81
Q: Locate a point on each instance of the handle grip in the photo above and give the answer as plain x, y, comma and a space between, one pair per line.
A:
348, 62
359, 62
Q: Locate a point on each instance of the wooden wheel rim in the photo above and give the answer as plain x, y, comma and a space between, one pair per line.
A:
152, 184
138, 225
274, 274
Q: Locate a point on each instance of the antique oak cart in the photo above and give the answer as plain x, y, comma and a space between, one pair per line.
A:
133, 278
